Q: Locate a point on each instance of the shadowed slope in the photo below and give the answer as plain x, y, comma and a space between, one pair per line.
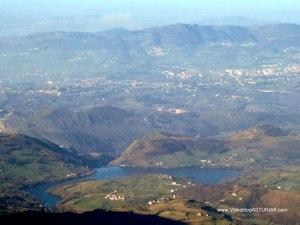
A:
89, 218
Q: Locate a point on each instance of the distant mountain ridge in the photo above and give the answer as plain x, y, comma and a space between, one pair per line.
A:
120, 53
175, 34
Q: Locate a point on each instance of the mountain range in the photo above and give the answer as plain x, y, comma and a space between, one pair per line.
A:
172, 35
113, 52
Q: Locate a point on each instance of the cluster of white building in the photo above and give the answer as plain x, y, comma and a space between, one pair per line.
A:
114, 196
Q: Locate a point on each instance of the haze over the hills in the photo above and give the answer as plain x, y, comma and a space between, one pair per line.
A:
18, 17
163, 112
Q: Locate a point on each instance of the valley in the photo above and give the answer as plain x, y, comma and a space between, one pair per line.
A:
184, 79
176, 124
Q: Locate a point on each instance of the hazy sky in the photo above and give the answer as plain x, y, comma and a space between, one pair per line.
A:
59, 7
136, 14
266, 4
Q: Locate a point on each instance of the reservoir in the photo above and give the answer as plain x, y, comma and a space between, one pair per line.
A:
196, 174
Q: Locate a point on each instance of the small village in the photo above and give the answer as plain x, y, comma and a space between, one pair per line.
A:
114, 196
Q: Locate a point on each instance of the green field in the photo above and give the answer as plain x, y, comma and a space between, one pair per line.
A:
151, 194
137, 191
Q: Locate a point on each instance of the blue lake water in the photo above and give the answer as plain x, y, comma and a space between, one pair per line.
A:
196, 174
208, 176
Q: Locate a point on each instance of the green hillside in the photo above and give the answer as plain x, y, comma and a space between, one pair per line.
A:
25, 161
256, 146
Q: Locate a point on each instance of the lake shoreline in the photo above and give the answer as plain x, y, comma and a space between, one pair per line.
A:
43, 193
